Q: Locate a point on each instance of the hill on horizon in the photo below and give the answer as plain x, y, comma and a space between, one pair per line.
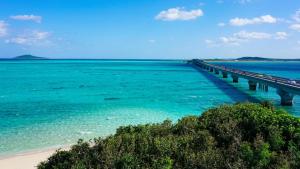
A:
254, 58
248, 58
28, 57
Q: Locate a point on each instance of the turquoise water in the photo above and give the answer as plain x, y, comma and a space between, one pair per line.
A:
55, 102
283, 69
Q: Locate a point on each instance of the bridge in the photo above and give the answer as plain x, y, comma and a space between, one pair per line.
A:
286, 88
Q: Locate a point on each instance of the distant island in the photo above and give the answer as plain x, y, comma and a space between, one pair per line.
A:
25, 57
28, 57
248, 58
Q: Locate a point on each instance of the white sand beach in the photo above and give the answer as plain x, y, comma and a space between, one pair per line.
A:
26, 160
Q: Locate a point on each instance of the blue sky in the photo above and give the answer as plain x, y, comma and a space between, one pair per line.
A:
150, 29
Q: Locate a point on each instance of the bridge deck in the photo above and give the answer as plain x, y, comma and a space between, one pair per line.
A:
289, 85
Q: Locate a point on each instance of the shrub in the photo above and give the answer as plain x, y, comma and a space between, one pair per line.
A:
230, 136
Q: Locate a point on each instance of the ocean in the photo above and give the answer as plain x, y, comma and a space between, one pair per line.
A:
49, 103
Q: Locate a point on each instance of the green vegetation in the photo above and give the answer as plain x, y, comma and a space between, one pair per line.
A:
231, 136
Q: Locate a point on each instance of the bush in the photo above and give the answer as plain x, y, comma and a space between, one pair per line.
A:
230, 136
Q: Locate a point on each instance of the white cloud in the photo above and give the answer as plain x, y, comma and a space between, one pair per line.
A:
34, 18
3, 28
230, 40
296, 24
244, 36
30, 38
281, 35
201, 4
295, 27
173, 14
258, 20
221, 24
234, 1
207, 41
244, 1
152, 41
296, 16
211, 43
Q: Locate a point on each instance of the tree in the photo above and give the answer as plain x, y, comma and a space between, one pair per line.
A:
230, 136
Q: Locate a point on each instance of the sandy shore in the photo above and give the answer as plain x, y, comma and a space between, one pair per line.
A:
26, 160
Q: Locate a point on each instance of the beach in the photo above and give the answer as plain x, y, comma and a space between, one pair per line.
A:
28, 160
25, 161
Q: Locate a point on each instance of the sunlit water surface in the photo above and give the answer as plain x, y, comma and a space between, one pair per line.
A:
55, 102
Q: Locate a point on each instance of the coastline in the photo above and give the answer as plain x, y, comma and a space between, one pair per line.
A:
28, 160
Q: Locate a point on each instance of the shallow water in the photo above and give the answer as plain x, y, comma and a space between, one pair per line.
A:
55, 102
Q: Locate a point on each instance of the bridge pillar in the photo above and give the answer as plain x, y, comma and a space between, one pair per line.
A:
266, 88
252, 85
211, 69
263, 87
216, 71
286, 97
260, 86
235, 78
225, 74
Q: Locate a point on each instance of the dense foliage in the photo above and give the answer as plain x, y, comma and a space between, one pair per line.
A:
231, 136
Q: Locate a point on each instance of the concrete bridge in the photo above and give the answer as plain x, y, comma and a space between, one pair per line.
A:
286, 88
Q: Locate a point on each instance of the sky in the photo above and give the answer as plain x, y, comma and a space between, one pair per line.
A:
150, 29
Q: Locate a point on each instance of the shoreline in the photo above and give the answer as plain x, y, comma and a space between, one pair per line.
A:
28, 160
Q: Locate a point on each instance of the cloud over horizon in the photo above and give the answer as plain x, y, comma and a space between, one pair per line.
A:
265, 19
245, 36
30, 38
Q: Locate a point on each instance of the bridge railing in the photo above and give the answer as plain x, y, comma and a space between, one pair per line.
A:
271, 78
273, 81
286, 88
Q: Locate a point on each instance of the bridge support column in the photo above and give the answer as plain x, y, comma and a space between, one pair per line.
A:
217, 71
211, 69
235, 78
225, 74
252, 85
266, 88
286, 97
263, 87
260, 85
